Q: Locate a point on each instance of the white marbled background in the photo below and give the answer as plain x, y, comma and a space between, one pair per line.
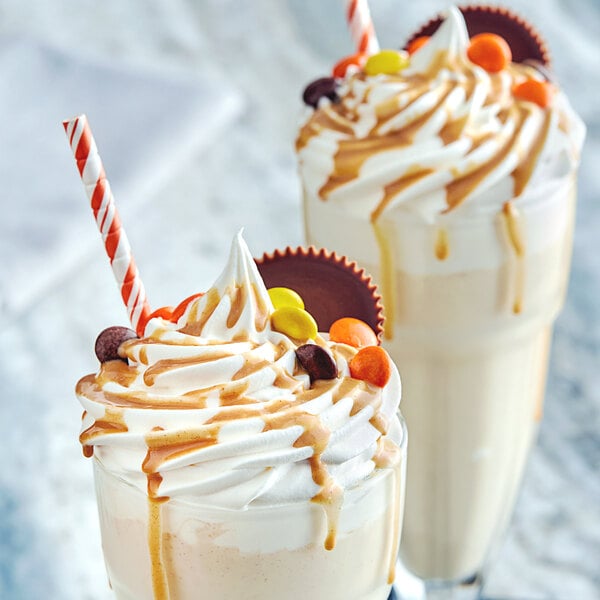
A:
194, 106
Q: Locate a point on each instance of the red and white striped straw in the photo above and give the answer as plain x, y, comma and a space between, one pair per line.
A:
107, 218
361, 26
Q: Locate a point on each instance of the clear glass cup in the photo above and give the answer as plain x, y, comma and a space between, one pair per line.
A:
472, 349
182, 550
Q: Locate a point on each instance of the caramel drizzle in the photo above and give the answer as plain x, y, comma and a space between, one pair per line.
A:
517, 243
160, 584
353, 153
111, 423
442, 247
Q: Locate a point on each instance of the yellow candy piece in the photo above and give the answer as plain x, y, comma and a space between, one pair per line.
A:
295, 323
386, 62
282, 296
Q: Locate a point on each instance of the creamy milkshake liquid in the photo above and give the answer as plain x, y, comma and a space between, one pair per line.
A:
459, 198
257, 554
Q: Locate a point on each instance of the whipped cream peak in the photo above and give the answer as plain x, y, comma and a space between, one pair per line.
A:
451, 39
237, 306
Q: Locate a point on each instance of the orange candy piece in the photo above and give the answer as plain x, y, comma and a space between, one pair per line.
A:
356, 60
353, 332
180, 309
533, 90
371, 364
417, 43
489, 51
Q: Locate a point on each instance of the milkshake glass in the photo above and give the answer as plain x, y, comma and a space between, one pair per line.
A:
233, 459
457, 192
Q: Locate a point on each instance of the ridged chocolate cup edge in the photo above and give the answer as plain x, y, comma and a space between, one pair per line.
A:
332, 286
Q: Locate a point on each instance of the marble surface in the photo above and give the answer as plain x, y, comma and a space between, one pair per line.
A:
230, 165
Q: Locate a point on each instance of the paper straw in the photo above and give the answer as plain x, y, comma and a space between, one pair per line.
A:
361, 26
107, 218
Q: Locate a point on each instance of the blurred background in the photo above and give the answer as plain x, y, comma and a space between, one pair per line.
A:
194, 106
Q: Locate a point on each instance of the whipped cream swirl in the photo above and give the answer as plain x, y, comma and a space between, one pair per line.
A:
441, 139
216, 406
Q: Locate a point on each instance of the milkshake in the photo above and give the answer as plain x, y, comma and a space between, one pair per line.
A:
450, 175
239, 453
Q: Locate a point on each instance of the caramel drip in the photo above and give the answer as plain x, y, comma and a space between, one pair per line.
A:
391, 190
387, 455
458, 189
331, 498
118, 371
262, 316
453, 130
160, 586
522, 174
442, 248
232, 395
389, 109
112, 422
315, 436
517, 243
250, 366
168, 364
362, 397
196, 323
238, 300
318, 122
348, 387
158, 455
387, 278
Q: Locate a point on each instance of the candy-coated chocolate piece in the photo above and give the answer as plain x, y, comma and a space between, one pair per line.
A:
533, 90
317, 362
490, 51
295, 323
371, 364
357, 61
387, 62
326, 87
417, 43
108, 342
182, 306
282, 296
353, 332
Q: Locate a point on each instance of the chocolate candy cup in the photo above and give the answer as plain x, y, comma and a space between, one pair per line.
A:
330, 285
524, 41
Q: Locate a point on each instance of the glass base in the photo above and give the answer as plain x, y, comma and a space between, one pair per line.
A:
409, 587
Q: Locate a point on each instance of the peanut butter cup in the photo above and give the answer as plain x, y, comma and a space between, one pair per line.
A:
525, 42
331, 285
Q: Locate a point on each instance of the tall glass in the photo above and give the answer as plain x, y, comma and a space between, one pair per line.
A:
183, 550
472, 346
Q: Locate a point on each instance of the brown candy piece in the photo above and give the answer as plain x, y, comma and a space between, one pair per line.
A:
324, 87
330, 285
317, 362
524, 41
108, 342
